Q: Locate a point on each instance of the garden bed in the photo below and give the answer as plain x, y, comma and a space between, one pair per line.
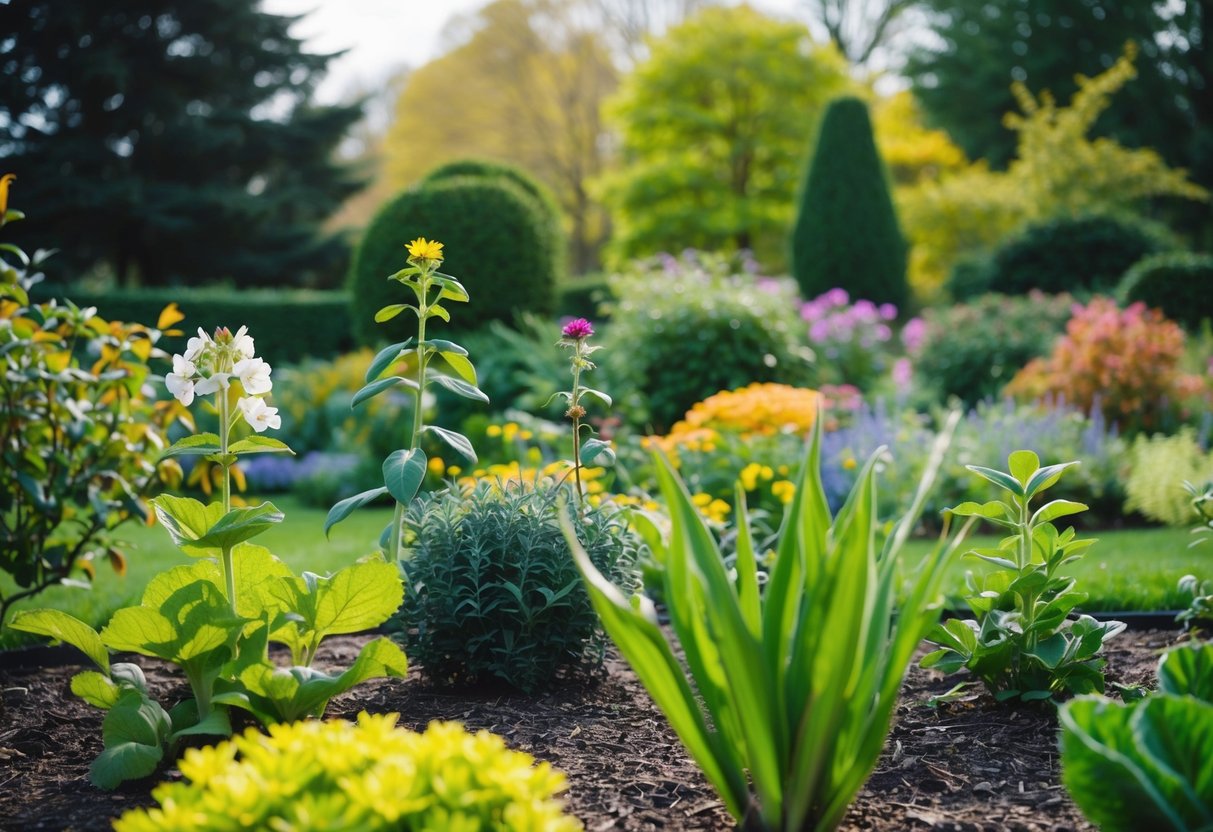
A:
965, 765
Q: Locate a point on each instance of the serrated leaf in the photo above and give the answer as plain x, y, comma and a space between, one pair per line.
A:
65, 628
385, 358
456, 440
376, 387
403, 473
201, 444
346, 507
459, 387
258, 444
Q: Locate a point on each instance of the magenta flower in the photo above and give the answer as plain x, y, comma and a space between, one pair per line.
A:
577, 329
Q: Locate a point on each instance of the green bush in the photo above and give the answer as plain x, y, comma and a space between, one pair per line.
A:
372, 776
683, 328
1075, 254
581, 297
846, 232
972, 276
290, 324
493, 595
496, 238
488, 169
1158, 467
972, 350
1179, 284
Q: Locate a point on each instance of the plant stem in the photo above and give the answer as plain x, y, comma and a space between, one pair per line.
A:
423, 309
225, 428
574, 403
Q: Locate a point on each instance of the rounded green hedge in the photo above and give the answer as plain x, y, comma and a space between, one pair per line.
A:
1179, 284
496, 240
1075, 254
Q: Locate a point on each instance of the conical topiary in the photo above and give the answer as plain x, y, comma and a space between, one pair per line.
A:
846, 231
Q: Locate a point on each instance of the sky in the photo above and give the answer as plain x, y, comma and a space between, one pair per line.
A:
382, 35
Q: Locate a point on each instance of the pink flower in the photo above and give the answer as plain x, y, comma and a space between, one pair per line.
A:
577, 329
903, 373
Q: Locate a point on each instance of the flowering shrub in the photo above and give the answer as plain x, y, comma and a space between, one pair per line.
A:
370, 776
492, 594
853, 341
1123, 361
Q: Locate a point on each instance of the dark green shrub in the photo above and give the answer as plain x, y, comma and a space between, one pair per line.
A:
846, 232
972, 275
683, 328
496, 238
1179, 284
487, 169
581, 297
1075, 254
290, 325
493, 596
972, 350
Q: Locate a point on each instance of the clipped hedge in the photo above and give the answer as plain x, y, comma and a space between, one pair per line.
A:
497, 242
287, 325
1179, 284
1074, 254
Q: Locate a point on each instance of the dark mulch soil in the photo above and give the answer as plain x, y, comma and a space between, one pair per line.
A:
965, 765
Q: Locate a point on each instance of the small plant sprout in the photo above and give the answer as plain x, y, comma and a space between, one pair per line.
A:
405, 469
575, 336
225, 366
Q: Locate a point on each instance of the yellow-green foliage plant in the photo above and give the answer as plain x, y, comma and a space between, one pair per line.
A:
791, 690
1158, 465
369, 776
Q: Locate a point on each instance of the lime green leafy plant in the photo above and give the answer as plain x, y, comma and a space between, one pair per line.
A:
1023, 643
1145, 765
370, 776
791, 690
215, 617
404, 470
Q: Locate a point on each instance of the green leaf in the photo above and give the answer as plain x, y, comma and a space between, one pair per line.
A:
1000, 479
403, 473
452, 289
134, 732
65, 628
385, 358
596, 394
459, 387
202, 444
1046, 477
355, 598
96, 689
1051, 651
203, 530
456, 440
444, 346
346, 507
376, 387
436, 311
392, 310
1057, 508
1023, 465
216, 724
1188, 671
993, 510
462, 366
593, 449
257, 444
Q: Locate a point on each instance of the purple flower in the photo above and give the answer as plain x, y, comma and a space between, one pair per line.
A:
913, 333
577, 329
837, 297
888, 311
903, 373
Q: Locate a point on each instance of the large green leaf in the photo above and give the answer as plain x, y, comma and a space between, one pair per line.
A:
96, 689
356, 598
374, 388
205, 530
66, 628
134, 732
1000, 479
203, 444
456, 440
385, 358
597, 449
459, 387
346, 507
403, 473
1188, 670
183, 618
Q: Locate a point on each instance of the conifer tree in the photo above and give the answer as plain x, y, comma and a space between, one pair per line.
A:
846, 233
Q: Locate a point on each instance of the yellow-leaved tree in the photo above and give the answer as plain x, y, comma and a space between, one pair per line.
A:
1058, 170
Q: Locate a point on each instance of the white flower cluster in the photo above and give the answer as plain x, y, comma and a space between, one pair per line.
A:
211, 364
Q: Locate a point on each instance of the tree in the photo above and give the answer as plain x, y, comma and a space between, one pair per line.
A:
846, 233
712, 147
526, 88
861, 28
172, 141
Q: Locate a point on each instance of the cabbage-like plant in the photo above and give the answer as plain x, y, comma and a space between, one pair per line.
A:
791, 688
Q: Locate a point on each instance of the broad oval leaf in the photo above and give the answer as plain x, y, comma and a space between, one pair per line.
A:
385, 358
1057, 508
437, 311
258, 444
66, 628
200, 443
452, 289
1188, 670
376, 387
460, 387
403, 472
1023, 465
462, 366
456, 440
1046, 477
998, 478
445, 346
358, 597
346, 507
391, 311
597, 394
597, 449
96, 689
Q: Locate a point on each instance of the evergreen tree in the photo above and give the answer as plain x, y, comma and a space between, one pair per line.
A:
846, 232
174, 141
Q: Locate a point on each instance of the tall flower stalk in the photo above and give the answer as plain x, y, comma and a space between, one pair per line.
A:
575, 336
404, 470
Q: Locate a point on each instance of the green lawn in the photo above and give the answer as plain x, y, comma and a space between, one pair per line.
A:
1136, 569
299, 541
1126, 570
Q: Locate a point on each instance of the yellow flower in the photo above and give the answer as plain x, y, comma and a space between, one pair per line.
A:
436, 465
849, 464
454, 470
423, 249
784, 490
493, 431
4, 183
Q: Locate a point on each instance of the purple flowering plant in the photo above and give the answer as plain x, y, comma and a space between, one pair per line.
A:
854, 340
575, 336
